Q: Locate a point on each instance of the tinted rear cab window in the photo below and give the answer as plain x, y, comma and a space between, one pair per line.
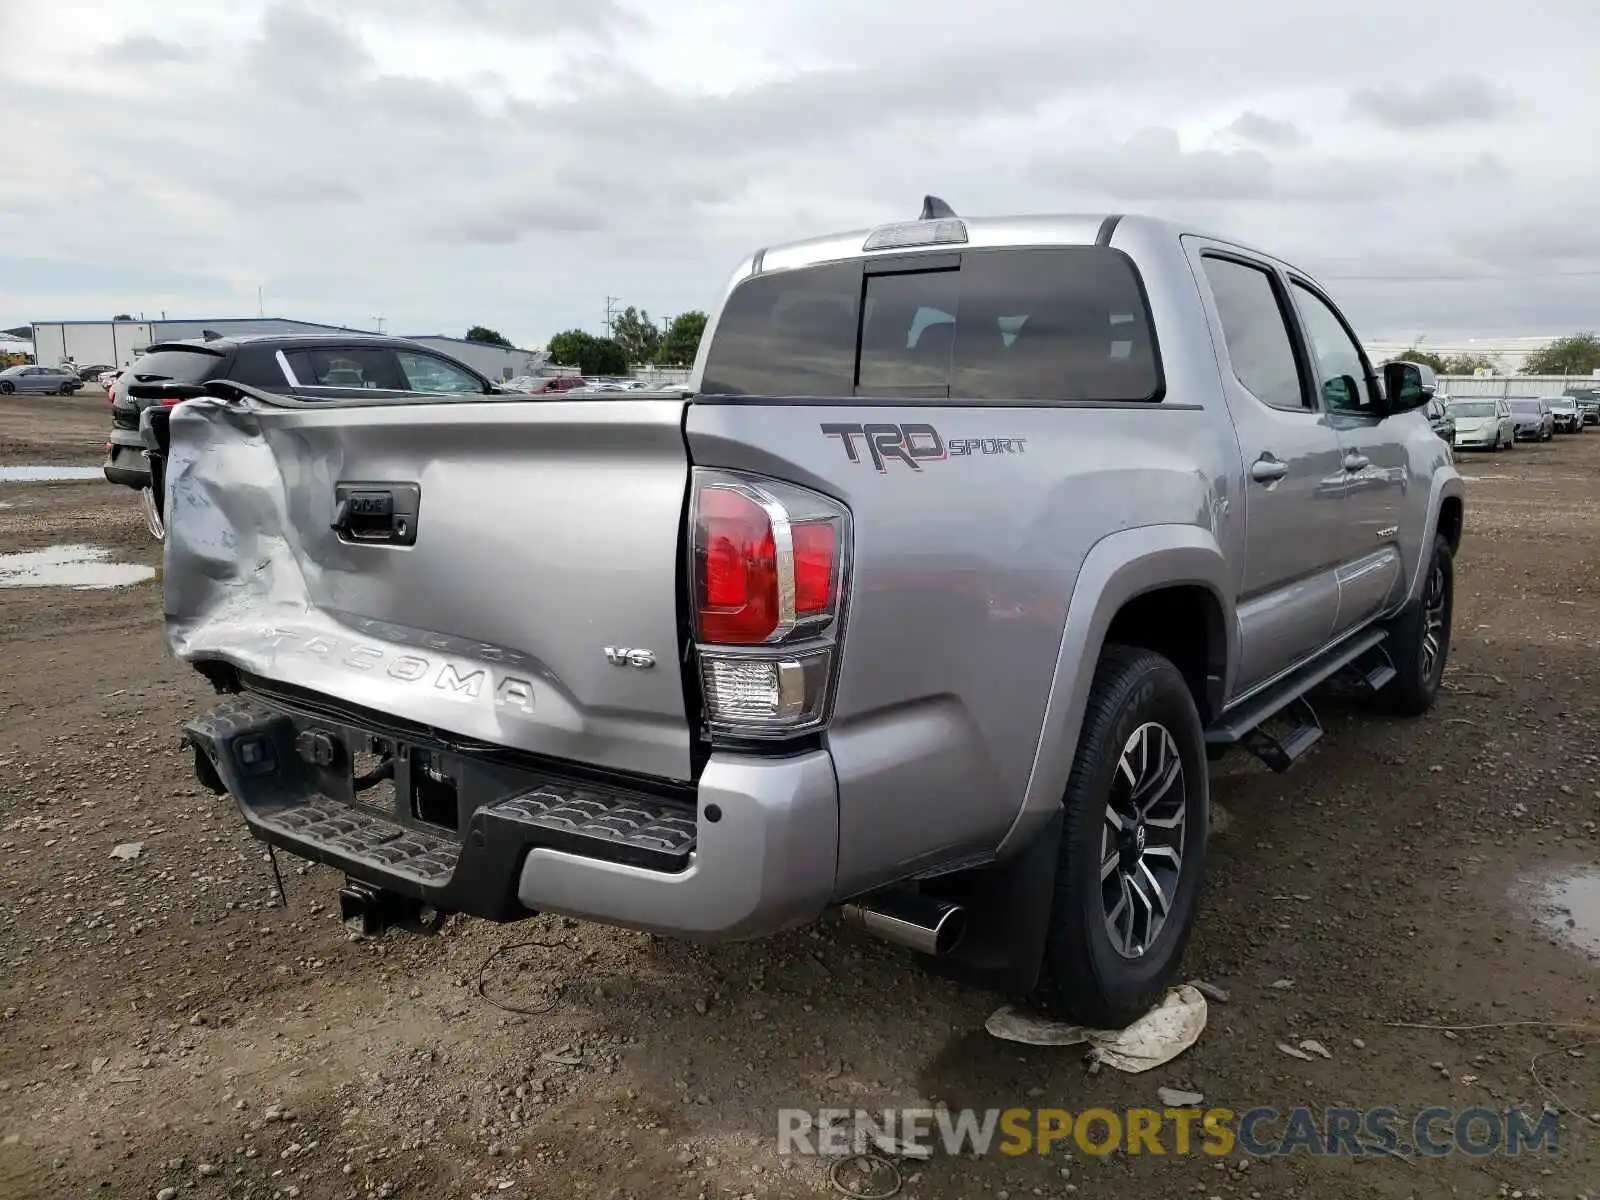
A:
1053, 324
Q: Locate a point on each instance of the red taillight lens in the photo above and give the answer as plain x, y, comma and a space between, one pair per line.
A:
738, 585
171, 401
813, 568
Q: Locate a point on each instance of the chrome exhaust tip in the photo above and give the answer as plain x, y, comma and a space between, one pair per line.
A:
910, 919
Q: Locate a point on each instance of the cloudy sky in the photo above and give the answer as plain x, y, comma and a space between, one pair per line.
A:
442, 163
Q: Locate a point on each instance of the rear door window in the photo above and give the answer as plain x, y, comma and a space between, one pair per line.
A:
257, 367
1256, 334
359, 368
1051, 324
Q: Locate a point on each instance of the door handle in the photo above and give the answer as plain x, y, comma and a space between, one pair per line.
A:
1355, 462
379, 514
1268, 469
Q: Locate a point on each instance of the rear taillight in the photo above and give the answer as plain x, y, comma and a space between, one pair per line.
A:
172, 401
770, 571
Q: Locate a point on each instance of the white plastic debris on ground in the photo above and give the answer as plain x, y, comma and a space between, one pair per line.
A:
1159, 1036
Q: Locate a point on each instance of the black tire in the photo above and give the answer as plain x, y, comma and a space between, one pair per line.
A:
7, 387
1414, 689
1086, 977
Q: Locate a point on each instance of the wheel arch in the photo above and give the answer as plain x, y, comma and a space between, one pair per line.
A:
1166, 588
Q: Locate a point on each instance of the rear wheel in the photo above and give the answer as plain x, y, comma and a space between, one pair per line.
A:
1133, 844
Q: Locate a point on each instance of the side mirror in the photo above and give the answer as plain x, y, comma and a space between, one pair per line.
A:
1407, 386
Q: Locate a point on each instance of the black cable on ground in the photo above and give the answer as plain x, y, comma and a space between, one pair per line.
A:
555, 997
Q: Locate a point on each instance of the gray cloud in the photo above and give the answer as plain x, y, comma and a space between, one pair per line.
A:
1454, 100
295, 40
540, 19
1152, 165
447, 162
1265, 131
144, 50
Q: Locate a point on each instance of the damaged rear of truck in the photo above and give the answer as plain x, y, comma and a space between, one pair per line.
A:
709, 664
927, 599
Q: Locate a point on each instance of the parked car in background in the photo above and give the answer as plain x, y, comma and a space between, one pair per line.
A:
1533, 420
1568, 416
320, 367
1440, 420
1588, 399
45, 381
91, 373
106, 378
548, 384
1482, 424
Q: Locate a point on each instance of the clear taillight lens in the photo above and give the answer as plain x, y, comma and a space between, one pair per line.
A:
770, 569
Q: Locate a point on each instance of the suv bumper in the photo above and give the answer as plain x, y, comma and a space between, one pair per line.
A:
125, 461
751, 850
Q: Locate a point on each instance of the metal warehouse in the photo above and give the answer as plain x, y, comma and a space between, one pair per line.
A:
118, 343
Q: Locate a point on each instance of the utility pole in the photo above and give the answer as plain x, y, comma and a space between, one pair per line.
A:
611, 312
261, 306
380, 321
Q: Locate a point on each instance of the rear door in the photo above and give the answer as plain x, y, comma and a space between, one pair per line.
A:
1294, 479
462, 564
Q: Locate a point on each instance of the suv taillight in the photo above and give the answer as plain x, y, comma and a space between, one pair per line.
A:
770, 567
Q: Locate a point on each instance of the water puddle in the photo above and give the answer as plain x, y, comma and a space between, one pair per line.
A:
48, 474
78, 567
1567, 906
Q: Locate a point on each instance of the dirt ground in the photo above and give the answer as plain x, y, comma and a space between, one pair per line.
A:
165, 1024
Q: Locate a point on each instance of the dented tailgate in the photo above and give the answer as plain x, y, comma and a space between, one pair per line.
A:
504, 571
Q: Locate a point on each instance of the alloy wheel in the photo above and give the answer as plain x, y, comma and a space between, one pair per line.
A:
1142, 840
1433, 621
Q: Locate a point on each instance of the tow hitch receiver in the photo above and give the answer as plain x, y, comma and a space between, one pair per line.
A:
379, 910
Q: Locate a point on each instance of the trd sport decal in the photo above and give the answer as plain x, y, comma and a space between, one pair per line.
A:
915, 444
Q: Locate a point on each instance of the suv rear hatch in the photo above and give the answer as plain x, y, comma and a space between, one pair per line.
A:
498, 573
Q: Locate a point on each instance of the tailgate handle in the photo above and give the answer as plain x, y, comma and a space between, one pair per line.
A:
376, 514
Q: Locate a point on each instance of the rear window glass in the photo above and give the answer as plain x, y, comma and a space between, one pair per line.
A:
175, 366
1063, 323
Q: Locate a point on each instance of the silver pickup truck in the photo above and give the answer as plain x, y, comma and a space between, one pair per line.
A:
967, 547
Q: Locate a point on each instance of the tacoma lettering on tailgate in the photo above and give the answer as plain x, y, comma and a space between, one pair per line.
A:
507, 690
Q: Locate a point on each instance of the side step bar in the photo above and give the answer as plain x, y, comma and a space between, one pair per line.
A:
1284, 704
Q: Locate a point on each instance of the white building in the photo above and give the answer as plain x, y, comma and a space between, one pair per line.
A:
497, 362
118, 343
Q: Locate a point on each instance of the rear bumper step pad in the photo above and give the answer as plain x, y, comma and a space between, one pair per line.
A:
290, 773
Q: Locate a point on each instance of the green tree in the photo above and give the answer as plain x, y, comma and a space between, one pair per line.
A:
123, 317
482, 333
1575, 355
681, 341
591, 355
1417, 354
1467, 364
637, 334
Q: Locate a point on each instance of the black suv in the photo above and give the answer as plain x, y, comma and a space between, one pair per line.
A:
305, 366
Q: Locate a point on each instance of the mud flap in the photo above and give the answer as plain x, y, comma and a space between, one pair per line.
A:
1008, 916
